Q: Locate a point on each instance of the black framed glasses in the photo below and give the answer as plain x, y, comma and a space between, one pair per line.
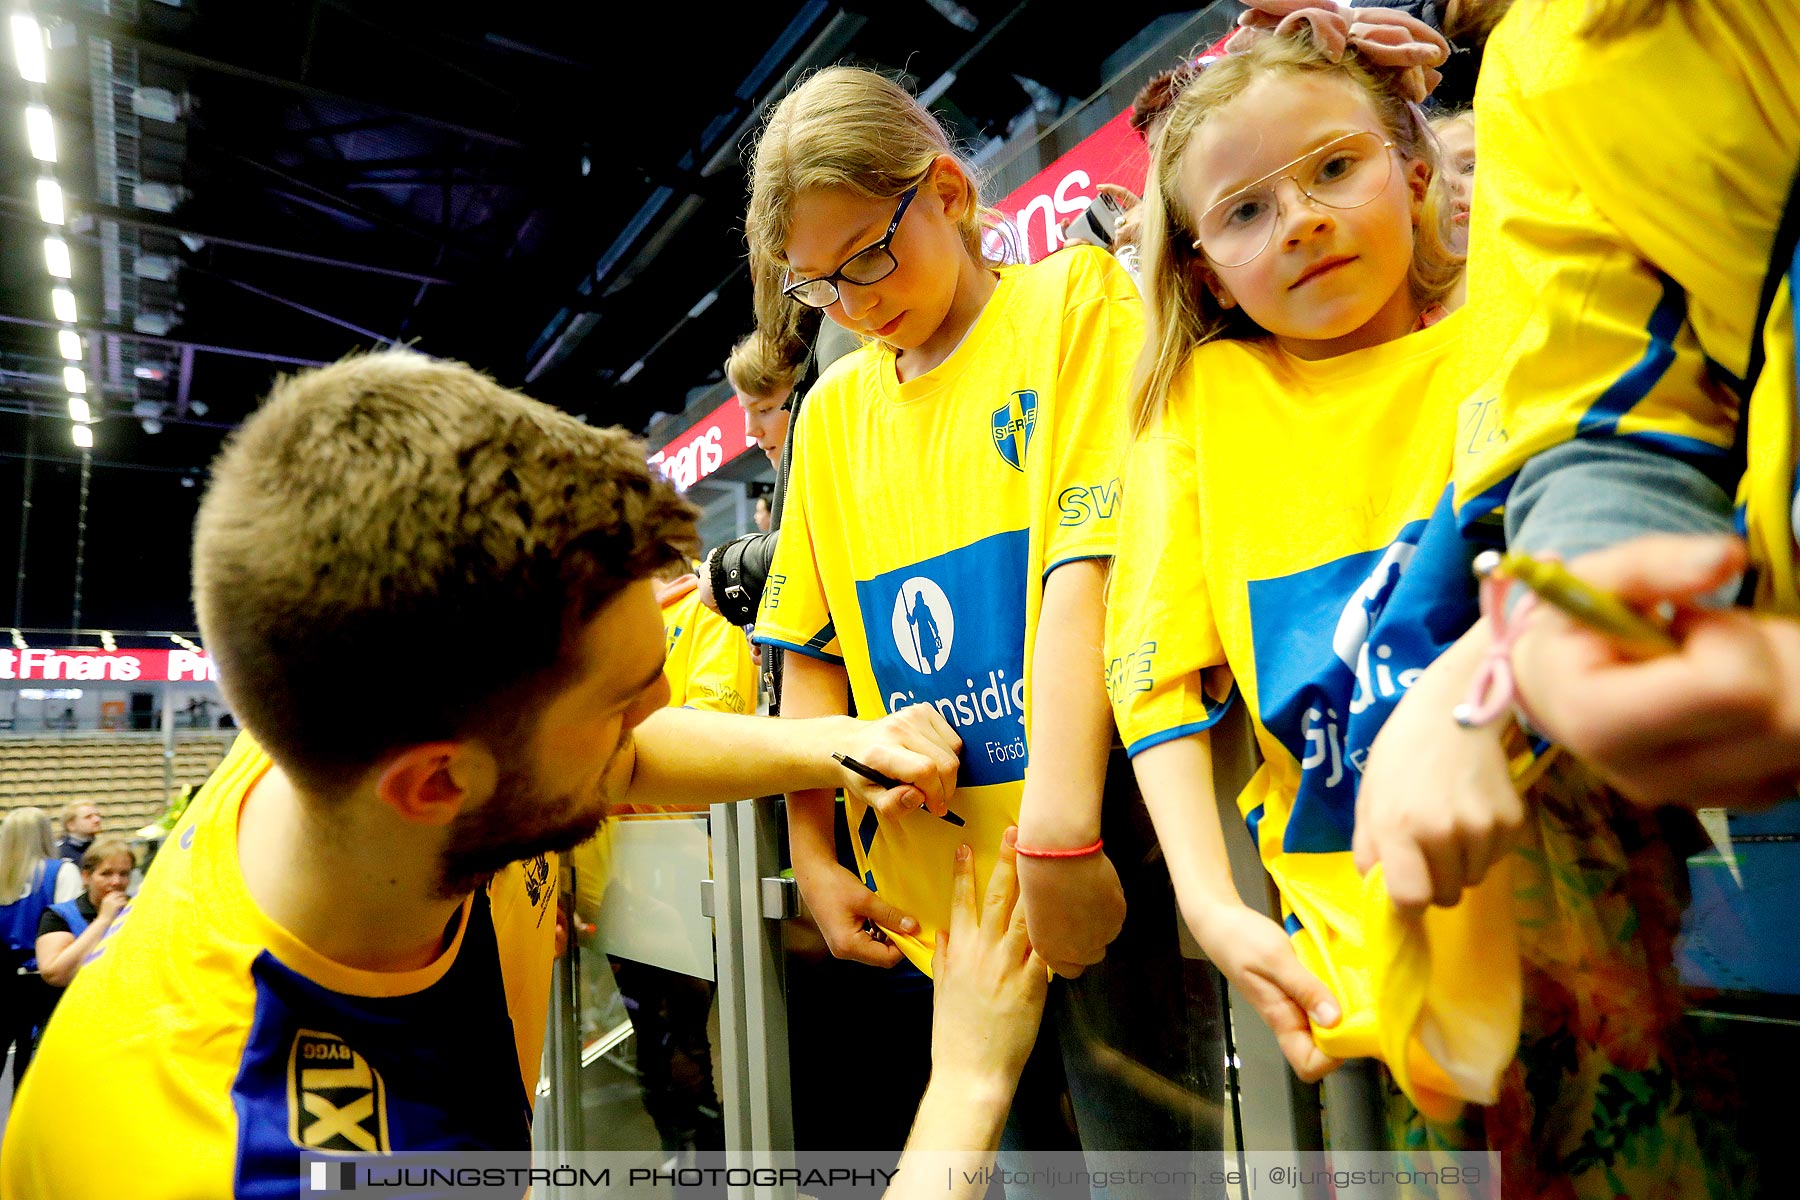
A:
871, 264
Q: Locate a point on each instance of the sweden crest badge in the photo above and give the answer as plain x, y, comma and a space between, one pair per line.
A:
1012, 426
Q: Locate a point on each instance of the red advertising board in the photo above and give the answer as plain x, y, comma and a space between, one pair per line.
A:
1111, 154
709, 444
109, 666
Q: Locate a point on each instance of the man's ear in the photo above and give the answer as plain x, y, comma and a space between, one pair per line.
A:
431, 783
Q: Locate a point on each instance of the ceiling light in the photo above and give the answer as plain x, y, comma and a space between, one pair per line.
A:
151, 425
159, 267
158, 104
198, 408
79, 411
83, 435
56, 258
42, 132
75, 379
62, 303
157, 197
69, 343
50, 201
28, 48
153, 371
154, 323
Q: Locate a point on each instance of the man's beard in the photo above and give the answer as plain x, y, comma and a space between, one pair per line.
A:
519, 822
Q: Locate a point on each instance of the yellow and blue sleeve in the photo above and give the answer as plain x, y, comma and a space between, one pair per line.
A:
795, 614
1165, 672
1101, 336
1572, 334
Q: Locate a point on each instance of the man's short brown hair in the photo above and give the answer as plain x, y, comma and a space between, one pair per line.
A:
395, 549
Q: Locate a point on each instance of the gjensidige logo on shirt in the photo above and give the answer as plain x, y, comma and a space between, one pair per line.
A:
955, 626
1389, 613
336, 1100
924, 625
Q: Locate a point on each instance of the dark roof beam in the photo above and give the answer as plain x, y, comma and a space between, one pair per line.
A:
350, 207
409, 40
643, 238
143, 219
92, 330
129, 37
317, 313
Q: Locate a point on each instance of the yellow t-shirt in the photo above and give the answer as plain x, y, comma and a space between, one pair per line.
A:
225, 1046
707, 659
921, 521
1625, 210
1287, 526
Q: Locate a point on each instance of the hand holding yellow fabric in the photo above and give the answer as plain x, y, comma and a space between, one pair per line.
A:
1258, 960
1438, 807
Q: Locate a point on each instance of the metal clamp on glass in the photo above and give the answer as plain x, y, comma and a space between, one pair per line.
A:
780, 898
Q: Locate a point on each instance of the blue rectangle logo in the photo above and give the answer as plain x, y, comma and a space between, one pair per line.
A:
950, 632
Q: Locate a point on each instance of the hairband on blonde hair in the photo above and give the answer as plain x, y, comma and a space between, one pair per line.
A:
1381, 36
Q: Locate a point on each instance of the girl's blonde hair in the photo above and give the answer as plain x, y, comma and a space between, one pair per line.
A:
24, 843
1181, 313
849, 128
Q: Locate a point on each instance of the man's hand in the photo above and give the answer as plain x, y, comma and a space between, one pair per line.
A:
1717, 723
1437, 806
843, 909
1257, 959
915, 746
1074, 908
989, 984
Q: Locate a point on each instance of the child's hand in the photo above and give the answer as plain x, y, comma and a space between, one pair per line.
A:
1074, 908
1715, 724
989, 985
1259, 961
843, 908
1437, 806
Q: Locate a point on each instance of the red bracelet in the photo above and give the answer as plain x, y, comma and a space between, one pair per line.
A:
1083, 852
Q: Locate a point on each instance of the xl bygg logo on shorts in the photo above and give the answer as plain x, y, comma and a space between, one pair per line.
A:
954, 630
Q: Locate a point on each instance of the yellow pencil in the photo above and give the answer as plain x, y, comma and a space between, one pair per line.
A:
1599, 610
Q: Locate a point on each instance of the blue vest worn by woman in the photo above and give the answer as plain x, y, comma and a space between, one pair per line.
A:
70, 911
19, 920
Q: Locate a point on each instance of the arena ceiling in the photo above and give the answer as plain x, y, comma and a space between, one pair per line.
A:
549, 191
